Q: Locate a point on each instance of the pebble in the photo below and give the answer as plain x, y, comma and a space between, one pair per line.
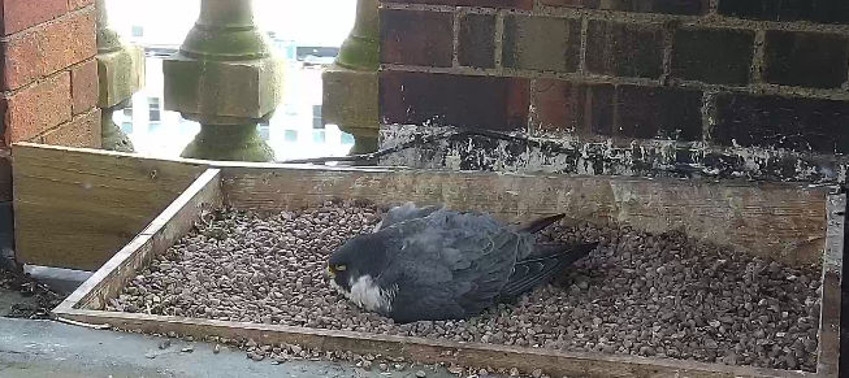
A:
652, 295
421, 374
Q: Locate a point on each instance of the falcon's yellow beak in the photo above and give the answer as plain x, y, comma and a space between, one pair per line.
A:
330, 272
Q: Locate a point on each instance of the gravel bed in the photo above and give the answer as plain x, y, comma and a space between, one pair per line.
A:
43, 299
639, 294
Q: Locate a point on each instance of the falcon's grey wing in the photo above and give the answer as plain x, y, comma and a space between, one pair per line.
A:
549, 260
449, 265
405, 212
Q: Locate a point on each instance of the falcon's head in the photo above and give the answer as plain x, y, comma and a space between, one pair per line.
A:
362, 257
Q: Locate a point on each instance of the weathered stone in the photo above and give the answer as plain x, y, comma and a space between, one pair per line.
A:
206, 91
225, 78
112, 138
229, 142
121, 74
351, 84
351, 102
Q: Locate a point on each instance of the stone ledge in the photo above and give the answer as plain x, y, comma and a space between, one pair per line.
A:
211, 90
351, 100
121, 74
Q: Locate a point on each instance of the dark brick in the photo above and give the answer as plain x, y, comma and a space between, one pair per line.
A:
649, 112
824, 11
806, 59
416, 37
542, 43
794, 123
41, 51
716, 56
477, 41
565, 106
625, 49
513, 4
480, 102
681, 7
17, 15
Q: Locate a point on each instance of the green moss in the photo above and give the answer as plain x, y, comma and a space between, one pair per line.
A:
229, 143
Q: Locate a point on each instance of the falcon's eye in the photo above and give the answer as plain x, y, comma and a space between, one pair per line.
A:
340, 268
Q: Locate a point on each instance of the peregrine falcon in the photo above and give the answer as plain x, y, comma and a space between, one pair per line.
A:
432, 263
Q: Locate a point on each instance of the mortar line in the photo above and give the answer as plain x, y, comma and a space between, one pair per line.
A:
669, 31
758, 57
582, 51
455, 53
499, 42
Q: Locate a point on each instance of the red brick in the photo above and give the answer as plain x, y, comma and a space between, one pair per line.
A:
40, 107
41, 51
477, 102
4, 106
416, 37
625, 49
17, 15
649, 113
565, 106
514, 4
77, 4
83, 131
84, 86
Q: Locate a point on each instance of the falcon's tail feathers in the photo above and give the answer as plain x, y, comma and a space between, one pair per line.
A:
537, 225
529, 273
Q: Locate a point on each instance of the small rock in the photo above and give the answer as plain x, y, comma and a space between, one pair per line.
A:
421, 374
165, 344
537, 373
216, 349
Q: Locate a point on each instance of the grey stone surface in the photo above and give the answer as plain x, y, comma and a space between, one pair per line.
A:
30, 348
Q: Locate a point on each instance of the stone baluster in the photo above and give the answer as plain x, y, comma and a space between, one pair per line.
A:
120, 70
225, 78
350, 98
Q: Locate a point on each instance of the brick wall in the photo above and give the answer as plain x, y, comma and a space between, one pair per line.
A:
48, 76
725, 73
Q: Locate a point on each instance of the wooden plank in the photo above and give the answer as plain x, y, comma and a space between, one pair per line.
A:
74, 208
427, 351
828, 359
730, 213
165, 230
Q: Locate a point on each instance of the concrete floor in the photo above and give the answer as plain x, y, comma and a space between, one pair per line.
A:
41, 348
34, 348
